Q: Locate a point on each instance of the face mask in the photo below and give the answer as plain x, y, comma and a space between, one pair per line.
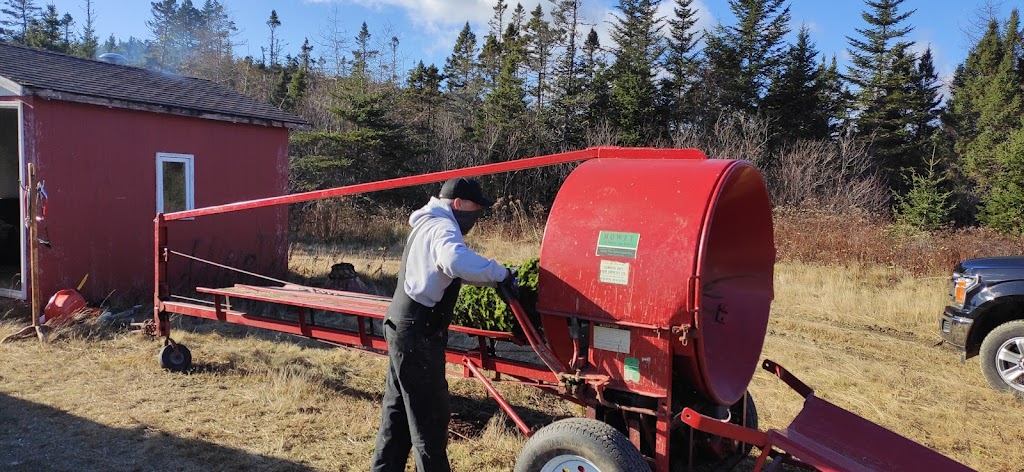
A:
466, 219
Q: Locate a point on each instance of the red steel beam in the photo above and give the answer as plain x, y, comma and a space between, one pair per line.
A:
608, 152
520, 370
498, 398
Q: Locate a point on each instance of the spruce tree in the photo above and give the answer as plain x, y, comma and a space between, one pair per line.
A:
461, 69
1000, 141
745, 57
275, 44
540, 43
46, 32
567, 106
363, 53
596, 90
90, 42
882, 68
18, 16
925, 100
681, 65
794, 100
835, 97
636, 31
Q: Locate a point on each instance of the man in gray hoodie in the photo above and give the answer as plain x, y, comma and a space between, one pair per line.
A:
435, 262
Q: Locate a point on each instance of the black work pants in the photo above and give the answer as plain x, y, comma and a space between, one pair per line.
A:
415, 409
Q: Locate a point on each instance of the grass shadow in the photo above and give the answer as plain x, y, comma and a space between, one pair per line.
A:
40, 438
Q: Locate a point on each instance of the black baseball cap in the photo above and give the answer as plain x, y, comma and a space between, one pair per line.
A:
466, 189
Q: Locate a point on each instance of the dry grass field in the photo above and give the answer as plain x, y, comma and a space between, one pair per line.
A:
863, 335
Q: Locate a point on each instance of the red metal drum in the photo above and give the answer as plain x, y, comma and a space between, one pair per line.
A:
671, 260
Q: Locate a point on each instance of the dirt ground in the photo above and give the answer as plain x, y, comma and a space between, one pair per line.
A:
94, 398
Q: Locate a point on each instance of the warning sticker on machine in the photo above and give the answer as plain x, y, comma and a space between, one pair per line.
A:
611, 339
614, 243
614, 272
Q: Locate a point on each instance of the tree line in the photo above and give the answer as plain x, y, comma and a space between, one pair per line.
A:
874, 136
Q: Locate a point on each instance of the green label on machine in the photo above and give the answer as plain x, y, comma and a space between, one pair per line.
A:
631, 370
614, 243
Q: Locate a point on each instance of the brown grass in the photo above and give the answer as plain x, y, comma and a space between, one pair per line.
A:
862, 334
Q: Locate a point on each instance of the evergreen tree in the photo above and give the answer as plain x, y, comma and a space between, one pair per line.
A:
567, 105
423, 95
163, 26
540, 42
18, 16
745, 57
996, 158
681, 65
216, 30
90, 42
47, 31
460, 69
636, 31
596, 89
275, 44
927, 205
794, 101
882, 69
363, 54
835, 97
924, 104
300, 78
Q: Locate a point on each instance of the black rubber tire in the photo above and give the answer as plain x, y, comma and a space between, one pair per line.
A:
989, 353
175, 362
598, 443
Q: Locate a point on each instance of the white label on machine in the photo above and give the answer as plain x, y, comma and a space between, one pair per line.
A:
613, 272
611, 339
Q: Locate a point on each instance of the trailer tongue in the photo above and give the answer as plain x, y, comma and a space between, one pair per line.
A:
656, 278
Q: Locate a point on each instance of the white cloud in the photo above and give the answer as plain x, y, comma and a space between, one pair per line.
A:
431, 13
606, 17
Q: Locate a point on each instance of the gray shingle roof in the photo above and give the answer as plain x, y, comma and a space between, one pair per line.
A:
54, 75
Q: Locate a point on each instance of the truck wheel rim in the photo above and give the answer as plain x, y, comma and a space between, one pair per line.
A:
1010, 363
569, 463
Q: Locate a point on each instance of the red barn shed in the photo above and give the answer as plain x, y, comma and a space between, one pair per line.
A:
115, 145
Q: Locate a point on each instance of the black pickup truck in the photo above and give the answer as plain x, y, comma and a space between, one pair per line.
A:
985, 317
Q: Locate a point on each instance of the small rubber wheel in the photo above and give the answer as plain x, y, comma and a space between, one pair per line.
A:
175, 361
580, 445
1002, 357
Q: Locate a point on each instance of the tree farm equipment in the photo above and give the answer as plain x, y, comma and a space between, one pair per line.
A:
655, 284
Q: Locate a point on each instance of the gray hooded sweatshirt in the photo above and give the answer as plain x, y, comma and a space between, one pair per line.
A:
438, 254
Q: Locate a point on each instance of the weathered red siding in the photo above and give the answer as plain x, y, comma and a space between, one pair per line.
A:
99, 165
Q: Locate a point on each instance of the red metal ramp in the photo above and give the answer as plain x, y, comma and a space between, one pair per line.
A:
831, 438
826, 437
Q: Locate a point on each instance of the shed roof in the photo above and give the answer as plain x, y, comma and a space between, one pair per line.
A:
58, 76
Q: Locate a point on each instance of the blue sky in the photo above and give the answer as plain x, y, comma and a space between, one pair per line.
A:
426, 29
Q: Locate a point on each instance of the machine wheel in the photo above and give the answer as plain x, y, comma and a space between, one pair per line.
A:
579, 445
175, 361
1002, 357
713, 453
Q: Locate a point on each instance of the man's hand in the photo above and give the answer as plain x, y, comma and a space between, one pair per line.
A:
508, 288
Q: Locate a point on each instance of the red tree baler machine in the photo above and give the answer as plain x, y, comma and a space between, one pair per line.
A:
655, 285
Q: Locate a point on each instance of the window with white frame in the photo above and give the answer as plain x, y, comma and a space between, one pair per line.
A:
175, 190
